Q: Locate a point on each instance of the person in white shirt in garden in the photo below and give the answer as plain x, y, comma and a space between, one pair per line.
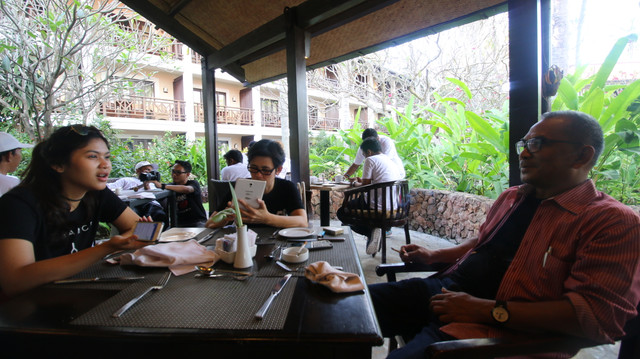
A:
378, 168
235, 167
387, 147
10, 157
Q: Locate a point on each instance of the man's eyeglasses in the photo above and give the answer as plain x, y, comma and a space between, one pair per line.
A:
263, 170
535, 144
176, 172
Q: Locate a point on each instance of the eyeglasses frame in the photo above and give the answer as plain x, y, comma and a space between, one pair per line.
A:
522, 143
261, 170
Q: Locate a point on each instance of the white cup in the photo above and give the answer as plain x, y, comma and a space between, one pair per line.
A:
339, 178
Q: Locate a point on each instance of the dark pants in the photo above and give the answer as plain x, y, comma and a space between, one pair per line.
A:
358, 203
402, 309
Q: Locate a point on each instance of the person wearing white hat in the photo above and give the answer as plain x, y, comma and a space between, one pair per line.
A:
10, 157
135, 183
153, 209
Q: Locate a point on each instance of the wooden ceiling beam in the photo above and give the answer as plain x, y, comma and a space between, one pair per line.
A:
171, 25
315, 16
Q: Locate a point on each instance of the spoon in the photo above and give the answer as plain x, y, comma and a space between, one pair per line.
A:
211, 271
301, 248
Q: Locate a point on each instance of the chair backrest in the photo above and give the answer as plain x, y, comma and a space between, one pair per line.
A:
386, 203
303, 195
219, 195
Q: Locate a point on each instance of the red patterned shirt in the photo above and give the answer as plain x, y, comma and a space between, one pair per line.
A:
592, 247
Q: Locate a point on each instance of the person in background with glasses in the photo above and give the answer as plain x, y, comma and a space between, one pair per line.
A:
555, 256
49, 221
281, 205
191, 212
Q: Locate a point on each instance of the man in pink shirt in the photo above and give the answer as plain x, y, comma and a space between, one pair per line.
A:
553, 256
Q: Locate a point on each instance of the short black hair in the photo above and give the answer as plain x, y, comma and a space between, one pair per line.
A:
267, 148
583, 128
185, 164
233, 155
369, 132
371, 143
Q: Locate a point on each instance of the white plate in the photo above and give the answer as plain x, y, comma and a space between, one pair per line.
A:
300, 232
177, 236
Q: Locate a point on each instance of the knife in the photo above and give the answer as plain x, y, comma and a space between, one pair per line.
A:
96, 279
208, 236
274, 292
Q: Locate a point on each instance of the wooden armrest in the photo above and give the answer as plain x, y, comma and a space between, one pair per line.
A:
391, 269
499, 347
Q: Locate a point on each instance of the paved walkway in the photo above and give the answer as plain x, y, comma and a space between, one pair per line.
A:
396, 240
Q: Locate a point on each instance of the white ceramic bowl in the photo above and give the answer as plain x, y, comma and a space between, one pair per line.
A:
229, 257
291, 255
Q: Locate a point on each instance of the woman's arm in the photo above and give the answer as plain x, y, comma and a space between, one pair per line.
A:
19, 271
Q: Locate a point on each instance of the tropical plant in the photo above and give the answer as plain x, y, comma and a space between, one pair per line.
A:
616, 107
60, 59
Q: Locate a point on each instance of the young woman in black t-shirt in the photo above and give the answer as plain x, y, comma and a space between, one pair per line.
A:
49, 221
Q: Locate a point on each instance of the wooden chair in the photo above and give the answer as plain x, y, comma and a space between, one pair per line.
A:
383, 205
219, 195
303, 196
499, 347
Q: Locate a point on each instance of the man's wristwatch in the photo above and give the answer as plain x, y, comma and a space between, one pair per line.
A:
163, 186
500, 313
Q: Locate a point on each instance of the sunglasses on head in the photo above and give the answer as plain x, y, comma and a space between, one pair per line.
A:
82, 130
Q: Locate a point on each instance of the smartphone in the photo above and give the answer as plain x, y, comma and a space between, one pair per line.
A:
148, 231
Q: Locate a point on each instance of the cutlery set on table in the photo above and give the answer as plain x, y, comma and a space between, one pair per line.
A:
293, 254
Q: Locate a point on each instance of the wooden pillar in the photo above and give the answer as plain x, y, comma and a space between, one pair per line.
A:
525, 65
297, 85
210, 124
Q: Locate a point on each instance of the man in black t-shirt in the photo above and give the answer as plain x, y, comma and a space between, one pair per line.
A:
191, 212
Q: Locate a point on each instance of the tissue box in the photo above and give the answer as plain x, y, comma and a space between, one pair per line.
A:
229, 257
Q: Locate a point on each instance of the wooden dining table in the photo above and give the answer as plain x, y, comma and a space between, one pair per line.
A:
325, 198
195, 316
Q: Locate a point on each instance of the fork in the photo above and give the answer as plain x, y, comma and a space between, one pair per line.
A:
161, 283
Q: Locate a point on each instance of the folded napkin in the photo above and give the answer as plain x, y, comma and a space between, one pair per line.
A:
180, 257
338, 281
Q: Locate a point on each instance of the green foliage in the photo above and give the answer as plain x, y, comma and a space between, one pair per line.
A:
163, 151
443, 147
617, 109
446, 146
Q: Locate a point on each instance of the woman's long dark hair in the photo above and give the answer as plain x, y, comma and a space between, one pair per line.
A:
45, 182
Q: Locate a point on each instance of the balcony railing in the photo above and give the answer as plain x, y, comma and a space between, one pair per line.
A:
149, 108
227, 115
271, 119
324, 123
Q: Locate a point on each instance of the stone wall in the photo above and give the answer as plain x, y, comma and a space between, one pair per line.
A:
454, 216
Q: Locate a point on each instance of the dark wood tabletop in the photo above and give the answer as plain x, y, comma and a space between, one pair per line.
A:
319, 323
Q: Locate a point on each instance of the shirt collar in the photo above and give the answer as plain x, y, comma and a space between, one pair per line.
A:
572, 200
